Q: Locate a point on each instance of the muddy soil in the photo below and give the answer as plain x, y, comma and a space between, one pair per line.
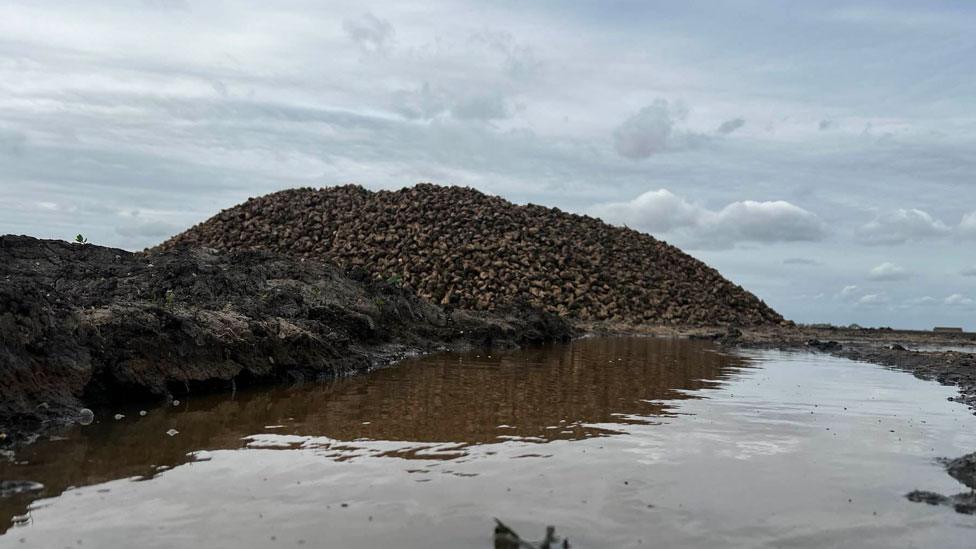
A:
84, 326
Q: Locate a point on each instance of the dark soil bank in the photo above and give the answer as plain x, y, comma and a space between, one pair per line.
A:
457, 246
83, 325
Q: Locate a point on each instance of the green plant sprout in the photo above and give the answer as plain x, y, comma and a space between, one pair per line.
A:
80, 239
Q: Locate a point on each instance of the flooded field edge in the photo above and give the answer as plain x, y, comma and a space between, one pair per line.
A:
542, 397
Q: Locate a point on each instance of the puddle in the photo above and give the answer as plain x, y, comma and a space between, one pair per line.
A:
618, 442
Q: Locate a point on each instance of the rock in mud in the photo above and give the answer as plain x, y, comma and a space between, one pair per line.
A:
506, 538
459, 247
962, 469
87, 326
13, 487
923, 496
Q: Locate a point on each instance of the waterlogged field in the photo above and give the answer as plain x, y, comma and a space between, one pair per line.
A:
617, 442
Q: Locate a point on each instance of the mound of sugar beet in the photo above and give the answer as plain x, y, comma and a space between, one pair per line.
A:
459, 247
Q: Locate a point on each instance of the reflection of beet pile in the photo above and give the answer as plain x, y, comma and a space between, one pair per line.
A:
461, 247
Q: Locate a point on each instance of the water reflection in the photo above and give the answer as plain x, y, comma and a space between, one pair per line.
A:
445, 402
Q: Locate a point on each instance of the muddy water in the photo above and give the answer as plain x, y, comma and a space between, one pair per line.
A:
616, 442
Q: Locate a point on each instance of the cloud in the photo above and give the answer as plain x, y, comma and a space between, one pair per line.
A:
849, 291
967, 226
968, 271
730, 126
873, 300
775, 221
369, 32
657, 211
958, 300
662, 211
900, 226
649, 131
825, 124
888, 272
800, 261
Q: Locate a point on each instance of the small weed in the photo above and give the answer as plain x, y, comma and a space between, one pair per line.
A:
80, 239
395, 280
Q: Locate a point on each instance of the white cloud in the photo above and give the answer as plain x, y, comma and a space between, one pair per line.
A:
649, 131
849, 291
888, 272
730, 126
663, 212
959, 300
774, 221
967, 226
900, 226
369, 32
659, 211
872, 300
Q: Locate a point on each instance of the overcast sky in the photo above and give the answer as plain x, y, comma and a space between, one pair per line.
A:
821, 154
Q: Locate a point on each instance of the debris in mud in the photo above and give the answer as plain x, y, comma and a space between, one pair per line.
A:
962, 469
506, 538
824, 345
13, 487
462, 248
923, 496
86, 417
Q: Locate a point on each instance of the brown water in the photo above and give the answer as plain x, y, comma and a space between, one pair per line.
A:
626, 442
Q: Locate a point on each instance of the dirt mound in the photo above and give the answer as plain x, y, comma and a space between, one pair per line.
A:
457, 246
87, 325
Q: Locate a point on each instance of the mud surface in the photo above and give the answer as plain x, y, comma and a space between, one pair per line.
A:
88, 326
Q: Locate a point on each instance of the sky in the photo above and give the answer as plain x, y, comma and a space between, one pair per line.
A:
820, 154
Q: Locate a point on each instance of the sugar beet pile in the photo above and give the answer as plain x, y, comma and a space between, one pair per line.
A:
461, 247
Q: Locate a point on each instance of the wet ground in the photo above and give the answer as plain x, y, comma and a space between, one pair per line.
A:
617, 442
